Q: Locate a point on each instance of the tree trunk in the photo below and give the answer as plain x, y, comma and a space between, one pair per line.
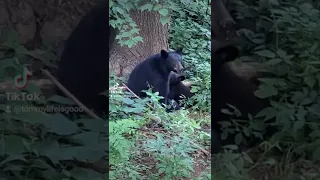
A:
42, 21
155, 36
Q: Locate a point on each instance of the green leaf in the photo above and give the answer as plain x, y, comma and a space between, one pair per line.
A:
266, 91
297, 125
266, 53
270, 81
315, 134
11, 158
231, 168
316, 154
87, 138
82, 153
274, 61
224, 135
111, 3
247, 158
232, 147
137, 39
61, 125
314, 62
164, 12
274, 2
85, 174
157, 7
95, 125
258, 125
238, 138
119, 10
226, 111
281, 53
146, 7
310, 81
270, 162
30, 116
43, 146
284, 117
268, 113
164, 20
12, 145
246, 131
127, 101
301, 114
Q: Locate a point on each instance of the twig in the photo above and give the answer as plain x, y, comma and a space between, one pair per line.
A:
136, 95
151, 117
71, 96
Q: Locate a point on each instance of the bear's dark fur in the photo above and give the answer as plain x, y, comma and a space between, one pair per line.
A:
155, 71
229, 88
178, 90
83, 67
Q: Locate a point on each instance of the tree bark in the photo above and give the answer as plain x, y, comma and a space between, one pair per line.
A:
122, 60
42, 21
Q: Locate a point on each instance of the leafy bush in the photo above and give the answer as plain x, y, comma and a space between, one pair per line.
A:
197, 49
290, 53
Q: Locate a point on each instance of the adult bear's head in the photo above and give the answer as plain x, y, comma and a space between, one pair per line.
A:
173, 60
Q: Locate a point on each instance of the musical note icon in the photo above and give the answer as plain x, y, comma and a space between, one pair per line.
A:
21, 80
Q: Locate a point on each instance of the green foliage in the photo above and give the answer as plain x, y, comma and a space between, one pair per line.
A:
197, 50
46, 145
37, 142
118, 144
173, 159
289, 52
170, 160
128, 30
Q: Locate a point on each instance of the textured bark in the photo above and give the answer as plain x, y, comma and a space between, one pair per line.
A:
42, 21
155, 37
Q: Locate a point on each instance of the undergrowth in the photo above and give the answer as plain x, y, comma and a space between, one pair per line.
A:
143, 141
289, 52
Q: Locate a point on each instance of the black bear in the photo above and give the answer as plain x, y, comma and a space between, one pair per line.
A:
83, 67
154, 72
229, 88
178, 90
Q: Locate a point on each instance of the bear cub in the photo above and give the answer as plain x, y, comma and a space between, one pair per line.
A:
178, 90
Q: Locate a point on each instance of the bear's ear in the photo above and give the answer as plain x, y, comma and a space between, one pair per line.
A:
164, 53
179, 50
225, 54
